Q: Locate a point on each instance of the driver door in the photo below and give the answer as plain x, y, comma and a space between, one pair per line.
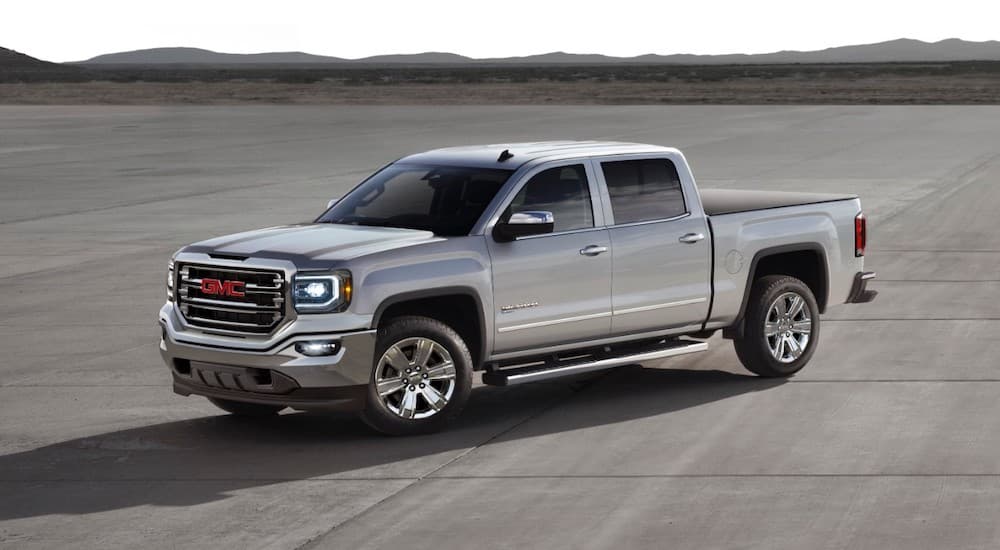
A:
554, 288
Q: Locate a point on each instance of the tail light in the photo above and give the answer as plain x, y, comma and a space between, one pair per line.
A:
860, 234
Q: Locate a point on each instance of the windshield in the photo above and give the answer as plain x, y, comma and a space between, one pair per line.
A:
447, 200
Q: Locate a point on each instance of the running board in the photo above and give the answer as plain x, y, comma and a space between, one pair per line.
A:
512, 376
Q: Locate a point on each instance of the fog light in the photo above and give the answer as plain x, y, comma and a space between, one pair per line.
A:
318, 348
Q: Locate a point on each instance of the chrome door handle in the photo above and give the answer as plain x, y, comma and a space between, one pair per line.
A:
593, 250
691, 238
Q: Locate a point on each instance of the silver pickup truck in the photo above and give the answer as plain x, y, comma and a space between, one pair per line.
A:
524, 261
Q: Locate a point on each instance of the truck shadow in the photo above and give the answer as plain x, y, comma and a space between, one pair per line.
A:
202, 460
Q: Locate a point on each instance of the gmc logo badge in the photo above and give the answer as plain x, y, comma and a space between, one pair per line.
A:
215, 287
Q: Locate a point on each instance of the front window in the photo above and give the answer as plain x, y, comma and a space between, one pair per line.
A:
447, 200
563, 191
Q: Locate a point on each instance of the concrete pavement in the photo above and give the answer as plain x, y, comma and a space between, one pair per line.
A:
890, 438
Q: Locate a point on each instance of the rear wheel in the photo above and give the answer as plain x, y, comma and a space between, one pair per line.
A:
781, 327
239, 408
422, 377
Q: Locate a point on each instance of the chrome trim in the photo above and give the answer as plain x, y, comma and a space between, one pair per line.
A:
276, 309
256, 289
537, 324
545, 374
225, 267
185, 307
659, 306
228, 323
515, 307
241, 306
691, 238
568, 232
647, 222
593, 250
531, 217
868, 275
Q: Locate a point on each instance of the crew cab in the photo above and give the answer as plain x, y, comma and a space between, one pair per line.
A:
524, 262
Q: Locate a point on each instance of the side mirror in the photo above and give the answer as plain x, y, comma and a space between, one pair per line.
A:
331, 202
524, 224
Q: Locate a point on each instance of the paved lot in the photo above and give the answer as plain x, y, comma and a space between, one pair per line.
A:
889, 439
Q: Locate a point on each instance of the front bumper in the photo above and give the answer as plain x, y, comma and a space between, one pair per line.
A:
274, 375
859, 291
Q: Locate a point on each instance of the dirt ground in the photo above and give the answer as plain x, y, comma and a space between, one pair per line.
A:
885, 90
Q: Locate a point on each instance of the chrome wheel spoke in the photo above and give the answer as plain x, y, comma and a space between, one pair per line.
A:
433, 398
770, 329
780, 307
422, 352
778, 349
794, 348
441, 371
802, 327
796, 306
390, 386
396, 359
408, 404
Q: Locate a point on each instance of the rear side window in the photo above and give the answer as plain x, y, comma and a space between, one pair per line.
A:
564, 191
643, 190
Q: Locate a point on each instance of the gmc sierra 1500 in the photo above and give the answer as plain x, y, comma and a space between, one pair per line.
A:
525, 261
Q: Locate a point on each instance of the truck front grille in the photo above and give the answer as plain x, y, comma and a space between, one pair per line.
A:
231, 299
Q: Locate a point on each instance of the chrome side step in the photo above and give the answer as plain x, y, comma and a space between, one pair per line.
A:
512, 376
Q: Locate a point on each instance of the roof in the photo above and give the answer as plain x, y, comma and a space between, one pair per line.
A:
487, 156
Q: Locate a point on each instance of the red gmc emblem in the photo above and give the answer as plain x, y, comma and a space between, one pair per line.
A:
216, 287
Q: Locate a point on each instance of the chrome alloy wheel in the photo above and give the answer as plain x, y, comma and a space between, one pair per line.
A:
415, 378
787, 327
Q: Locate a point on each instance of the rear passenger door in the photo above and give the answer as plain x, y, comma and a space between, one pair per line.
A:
660, 247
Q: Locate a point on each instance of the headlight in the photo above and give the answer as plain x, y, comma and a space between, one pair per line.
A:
321, 293
170, 281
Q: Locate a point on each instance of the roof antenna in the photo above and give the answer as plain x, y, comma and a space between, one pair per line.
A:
506, 154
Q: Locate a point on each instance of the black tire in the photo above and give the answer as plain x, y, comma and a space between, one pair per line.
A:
378, 412
756, 350
240, 408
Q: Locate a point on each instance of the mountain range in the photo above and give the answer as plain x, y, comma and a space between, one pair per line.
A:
902, 50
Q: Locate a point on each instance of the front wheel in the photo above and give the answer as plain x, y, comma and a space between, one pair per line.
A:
422, 377
781, 327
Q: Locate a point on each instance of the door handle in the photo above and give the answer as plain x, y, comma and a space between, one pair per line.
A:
691, 238
593, 250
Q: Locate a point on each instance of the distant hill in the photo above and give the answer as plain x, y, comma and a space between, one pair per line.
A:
10, 59
198, 56
902, 50
18, 67
426, 58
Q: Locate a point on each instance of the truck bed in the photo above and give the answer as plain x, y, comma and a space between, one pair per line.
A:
730, 201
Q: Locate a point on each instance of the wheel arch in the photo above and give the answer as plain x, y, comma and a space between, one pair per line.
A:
459, 307
808, 263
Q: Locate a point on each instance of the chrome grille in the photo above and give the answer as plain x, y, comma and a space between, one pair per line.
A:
259, 309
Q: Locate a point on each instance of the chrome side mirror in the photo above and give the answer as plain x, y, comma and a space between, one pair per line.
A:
524, 224
331, 202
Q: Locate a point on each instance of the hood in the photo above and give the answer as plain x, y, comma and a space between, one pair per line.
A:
318, 241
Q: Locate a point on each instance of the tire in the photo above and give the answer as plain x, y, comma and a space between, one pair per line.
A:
431, 385
773, 344
240, 408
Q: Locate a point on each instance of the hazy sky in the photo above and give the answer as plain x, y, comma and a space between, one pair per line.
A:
69, 30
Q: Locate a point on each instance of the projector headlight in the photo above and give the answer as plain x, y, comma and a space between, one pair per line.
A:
321, 293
